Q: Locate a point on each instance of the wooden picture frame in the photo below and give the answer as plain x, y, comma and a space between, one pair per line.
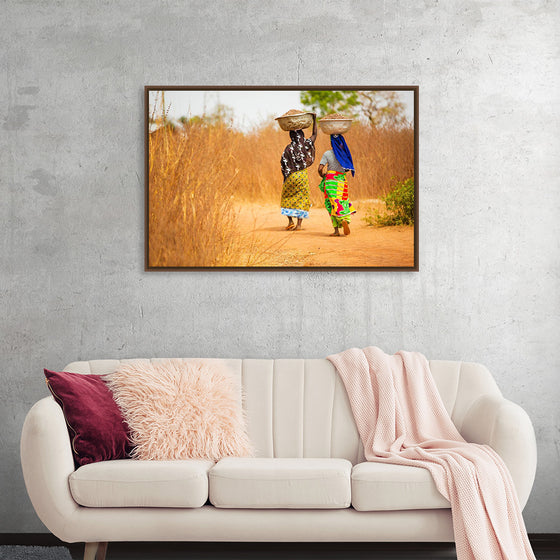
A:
219, 198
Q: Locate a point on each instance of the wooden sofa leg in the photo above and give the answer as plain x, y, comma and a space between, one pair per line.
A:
95, 551
101, 551
90, 551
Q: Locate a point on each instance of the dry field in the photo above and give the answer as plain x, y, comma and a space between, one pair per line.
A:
204, 179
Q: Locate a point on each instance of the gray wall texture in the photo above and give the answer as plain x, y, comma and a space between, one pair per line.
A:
72, 280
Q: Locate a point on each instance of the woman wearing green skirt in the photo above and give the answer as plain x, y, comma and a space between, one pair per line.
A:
334, 165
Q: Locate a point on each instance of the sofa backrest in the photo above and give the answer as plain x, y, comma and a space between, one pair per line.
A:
299, 407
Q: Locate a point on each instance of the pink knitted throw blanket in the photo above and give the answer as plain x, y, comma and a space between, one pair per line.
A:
401, 420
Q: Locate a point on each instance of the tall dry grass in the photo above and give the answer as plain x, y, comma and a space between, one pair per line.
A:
200, 173
381, 157
192, 219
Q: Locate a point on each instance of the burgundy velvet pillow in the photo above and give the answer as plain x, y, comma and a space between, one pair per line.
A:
97, 429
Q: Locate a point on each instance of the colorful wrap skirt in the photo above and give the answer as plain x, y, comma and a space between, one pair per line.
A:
295, 195
335, 188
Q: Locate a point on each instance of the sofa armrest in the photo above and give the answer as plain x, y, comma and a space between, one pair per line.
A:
47, 461
506, 427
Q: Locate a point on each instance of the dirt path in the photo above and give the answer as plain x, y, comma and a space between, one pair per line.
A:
314, 246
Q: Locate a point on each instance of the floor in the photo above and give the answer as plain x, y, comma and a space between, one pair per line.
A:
293, 551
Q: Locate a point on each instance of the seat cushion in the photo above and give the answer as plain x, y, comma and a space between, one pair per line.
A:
382, 486
131, 483
280, 483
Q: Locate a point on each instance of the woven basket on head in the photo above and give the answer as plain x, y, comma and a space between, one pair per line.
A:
295, 120
335, 123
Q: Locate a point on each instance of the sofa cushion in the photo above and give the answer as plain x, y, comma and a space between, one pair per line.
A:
237, 482
382, 486
132, 483
181, 409
95, 424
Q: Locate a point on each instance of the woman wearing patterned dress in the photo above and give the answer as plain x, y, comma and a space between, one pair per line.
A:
298, 155
334, 165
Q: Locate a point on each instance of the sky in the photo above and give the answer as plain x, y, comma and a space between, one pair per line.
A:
250, 107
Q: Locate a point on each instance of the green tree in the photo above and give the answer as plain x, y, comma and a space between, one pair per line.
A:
381, 108
325, 102
376, 108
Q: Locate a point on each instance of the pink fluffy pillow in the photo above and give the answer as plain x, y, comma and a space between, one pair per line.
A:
181, 409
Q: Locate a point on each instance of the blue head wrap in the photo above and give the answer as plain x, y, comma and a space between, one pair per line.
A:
342, 152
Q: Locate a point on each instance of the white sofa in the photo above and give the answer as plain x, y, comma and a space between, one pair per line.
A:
308, 481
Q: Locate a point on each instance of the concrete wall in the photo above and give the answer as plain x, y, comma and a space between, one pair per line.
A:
72, 207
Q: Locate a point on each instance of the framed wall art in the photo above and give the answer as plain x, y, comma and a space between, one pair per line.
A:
281, 177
